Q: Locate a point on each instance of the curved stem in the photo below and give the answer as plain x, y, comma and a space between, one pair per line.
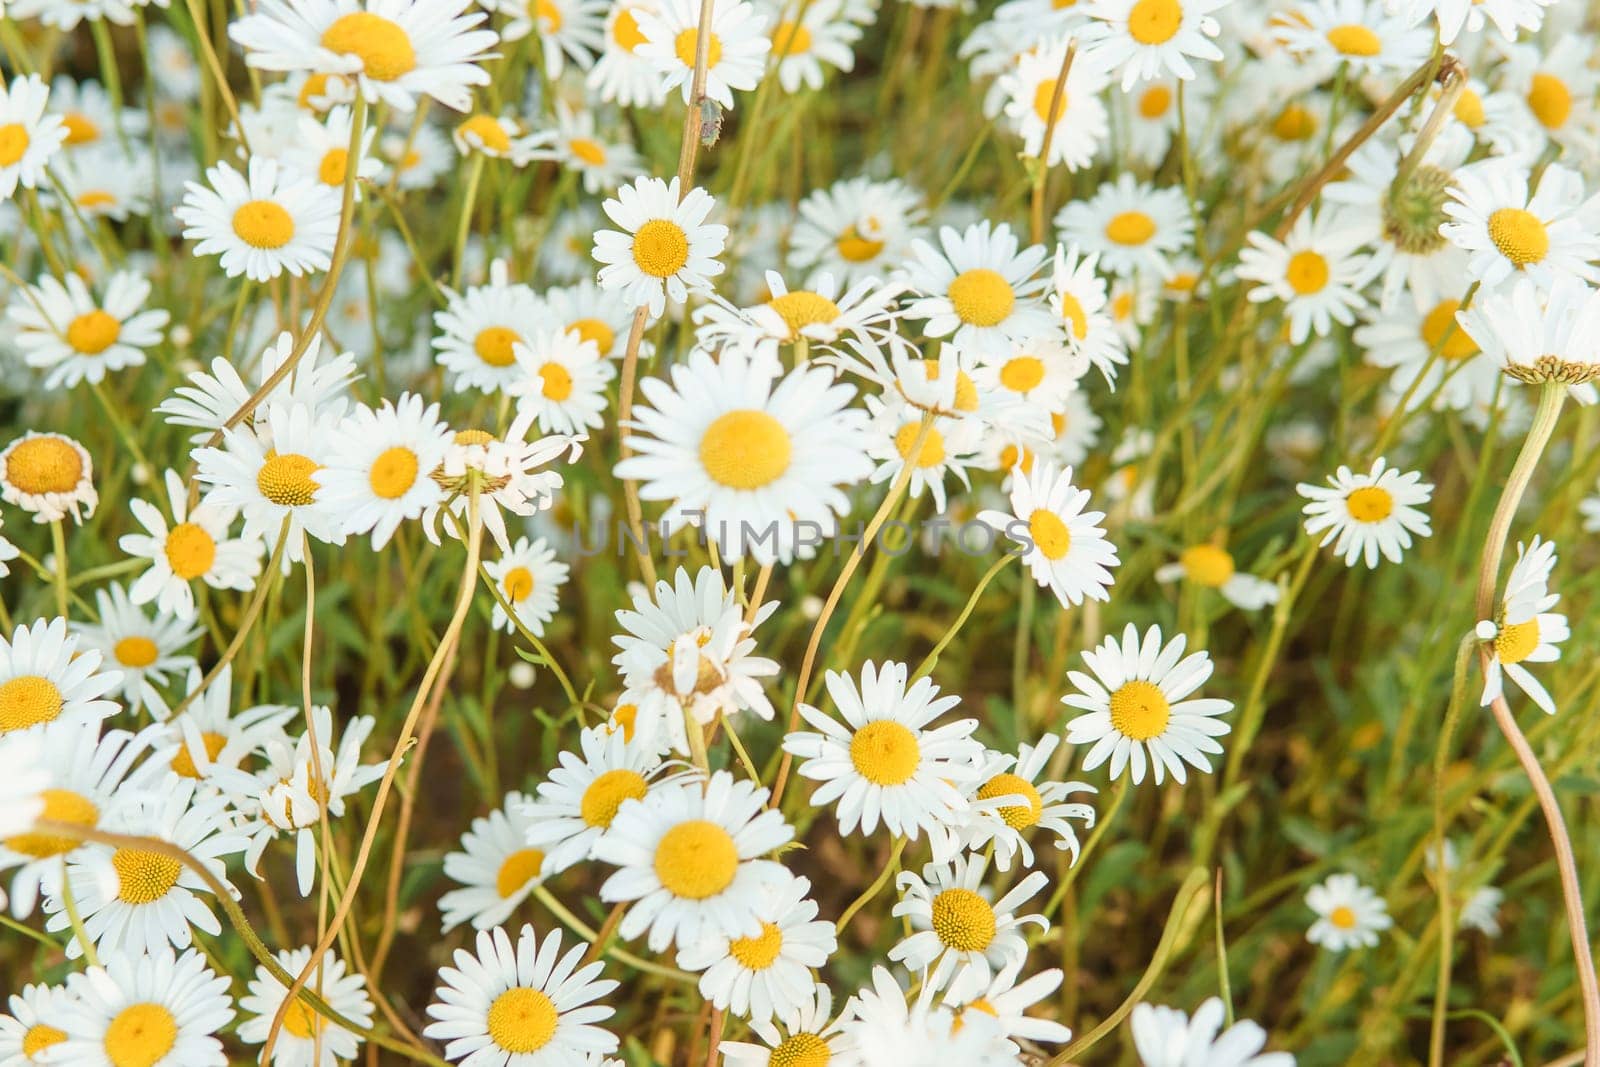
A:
874, 889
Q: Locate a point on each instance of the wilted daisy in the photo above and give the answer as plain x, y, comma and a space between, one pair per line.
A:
886, 761
1211, 566
496, 867
306, 1039
1507, 231
1363, 515
565, 29
1317, 272
28, 136
961, 935
810, 1034
509, 473
1538, 334
397, 50
45, 677
63, 329
1065, 547
264, 223
689, 855
735, 55
49, 475
978, 289
1137, 702
155, 1010
666, 247
195, 546
1349, 915
146, 650
856, 228
30, 1029
581, 797
1148, 38
1133, 227
1009, 802
380, 464
1167, 1037
1524, 630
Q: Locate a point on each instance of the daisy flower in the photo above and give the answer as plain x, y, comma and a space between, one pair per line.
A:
1135, 704
1167, 1037
1212, 567
210, 401
63, 329
146, 650
264, 223
883, 1027
769, 974
521, 1006
1356, 33
28, 136
195, 546
497, 137
735, 55
1525, 630
959, 934
1555, 86
579, 800
1009, 802
856, 228
1349, 915
105, 183
155, 1009
1132, 226
529, 577
1064, 546
1455, 16
623, 75
1006, 1002
49, 475
821, 315
948, 447
396, 50
814, 38
565, 29
1079, 119
419, 157
209, 743
1481, 910
380, 465
306, 1039
1317, 273
593, 314
1078, 297
508, 472
978, 289
1150, 113
563, 381
749, 459
1149, 38
1538, 334
92, 118
576, 145
666, 247
496, 868
30, 1029
45, 677
1364, 515
810, 1034
1508, 232
885, 761
689, 855
481, 328
1431, 344
323, 149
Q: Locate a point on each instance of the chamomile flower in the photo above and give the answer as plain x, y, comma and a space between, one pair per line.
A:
666, 247
323, 149
155, 1009
935, 447
104, 183
380, 464
396, 50
821, 316
1138, 707
1065, 547
30, 1029
1349, 914
29, 137
1455, 16
419, 157
146, 650
565, 29
1077, 127
1211, 566
689, 855
1524, 630
508, 471
306, 1039
960, 934
1009, 802
856, 228
563, 380
1132, 226
580, 799
578, 146
809, 1030
211, 400
211, 744
195, 546
1078, 297
1556, 86
262, 223
1006, 1001
1431, 344
735, 55
1509, 232
978, 289
1357, 33
497, 137
1536, 334
521, 1006
883, 1027
1145, 39
771, 973
1167, 1037
46, 677
812, 39
1481, 910
886, 761
49, 475
496, 867
481, 328
594, 315
529, 577
623, 74
1317, 271
1365, 515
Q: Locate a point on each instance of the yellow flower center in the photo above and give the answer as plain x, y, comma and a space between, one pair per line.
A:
548, 14
473, 437
745, 449
488, 131
557, 382
1354, 39
963, 920
1550, 100
382, 46
758, 953
95, 199
855, 248
301, 1021
1441, 330
332, 168
28, 700
190, 550
81, 129
45, 464
285, 479
393, 473
1469, 109
625, 30
1370, 503
800, 309
39, 1037
1515, 643
1519, 235
606, 793
1139, 710
143, 876
1154, 101
522, 1020
140, 1035
136, 652
93, 332
684, 47
13, 143
1131, 228
801, 1050
596, 331
263, 224
1043, 93
518, 583
660, 248
1207, 565
1154, 21
1074, 315
696, 860
791, 39
588, 151
1049, 534
1294, 123
1017, 816
1307, 273
625, 718
519, 868
1342, 917
1022, 373
60, 805
183, 762
981, 297
1013, 456
315, 87
931, 454
495, 345
885, 752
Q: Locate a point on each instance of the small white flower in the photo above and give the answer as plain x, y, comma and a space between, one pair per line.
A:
1365, 515
1349, 915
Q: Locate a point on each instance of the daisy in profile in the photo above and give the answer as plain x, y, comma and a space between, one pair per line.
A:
512, 1005
690, 857
751, 459
563, 381
1010, 801
396, 50
264, 223
821, 316
28, 136
771, 973
1349, 915
579, 800
1079, 120
63, 329
978, 289
210, 400
380, 465
195, 546
1167, 1037
45, 677
1211, 566
1006, 1002
1525, 630
1134, 227
497, 137
884, 1027
1138, 707
1078, 297
1317, 272
156, 1009
886, 761
810, 1033
565, 29
146, 650
1510, 230
577, 145
665, 248
1064, 546
49, 475
306, 1039
1359, 33
529, 577
856, 228
735, 55
1145, 39
30, 1029
623, 75
1539, 334
810, 41
496, 868
963, 937
509, 471
1365, 515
